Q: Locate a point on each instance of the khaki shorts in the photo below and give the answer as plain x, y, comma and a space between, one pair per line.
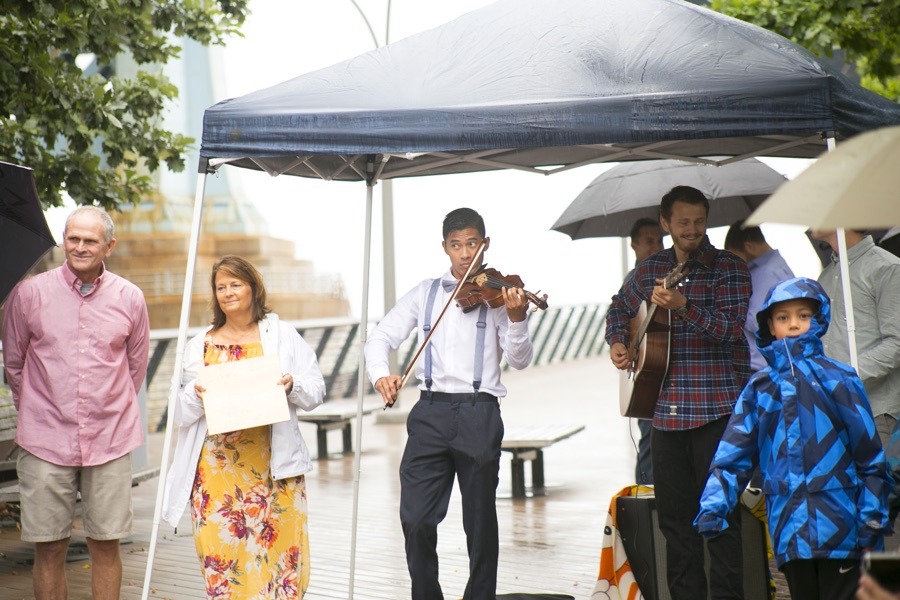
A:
48, 494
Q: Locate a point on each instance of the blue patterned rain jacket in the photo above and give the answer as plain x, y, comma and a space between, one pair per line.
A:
805, 419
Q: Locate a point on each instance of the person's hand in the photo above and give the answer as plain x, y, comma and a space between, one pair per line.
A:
516, 304
869, 589
618, 354
668, 298
389, 387
287, 380
199, 389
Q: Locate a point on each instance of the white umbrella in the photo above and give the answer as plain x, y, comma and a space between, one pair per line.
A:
853, 186
617, 198
857, 186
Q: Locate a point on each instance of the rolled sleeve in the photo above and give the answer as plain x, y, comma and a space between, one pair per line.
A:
516, 343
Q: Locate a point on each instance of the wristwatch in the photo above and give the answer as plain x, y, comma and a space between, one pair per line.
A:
682, 311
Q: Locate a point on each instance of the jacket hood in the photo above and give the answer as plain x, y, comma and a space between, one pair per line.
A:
794, 289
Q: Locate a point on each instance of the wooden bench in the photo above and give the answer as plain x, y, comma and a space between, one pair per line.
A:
528, 443
336, 414
9, 417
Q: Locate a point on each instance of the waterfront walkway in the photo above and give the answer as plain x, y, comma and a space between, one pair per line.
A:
549, 543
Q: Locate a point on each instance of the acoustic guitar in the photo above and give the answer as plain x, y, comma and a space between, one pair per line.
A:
648, 352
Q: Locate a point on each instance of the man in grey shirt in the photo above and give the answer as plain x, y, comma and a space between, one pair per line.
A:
875, 288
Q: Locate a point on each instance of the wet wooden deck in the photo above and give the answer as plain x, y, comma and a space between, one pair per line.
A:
548, 543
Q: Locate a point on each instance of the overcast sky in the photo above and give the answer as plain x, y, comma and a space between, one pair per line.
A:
286, 38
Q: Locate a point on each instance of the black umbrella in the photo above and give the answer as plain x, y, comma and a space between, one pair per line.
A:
24, 234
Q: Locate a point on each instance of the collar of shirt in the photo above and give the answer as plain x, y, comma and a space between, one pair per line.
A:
761, 261
860, 248
74, 282
448, 281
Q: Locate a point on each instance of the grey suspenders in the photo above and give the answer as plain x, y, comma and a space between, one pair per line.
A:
427, 327
479, 338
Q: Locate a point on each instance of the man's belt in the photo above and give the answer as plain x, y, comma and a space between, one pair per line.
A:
459, 398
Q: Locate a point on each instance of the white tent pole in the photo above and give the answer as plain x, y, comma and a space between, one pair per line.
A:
176, 375
362, 383
845, 282
389, 256
848, 299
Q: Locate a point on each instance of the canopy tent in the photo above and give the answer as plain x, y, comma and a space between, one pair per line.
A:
536, 86
525, 84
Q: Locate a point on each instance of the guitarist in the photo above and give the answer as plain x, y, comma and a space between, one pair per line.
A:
708, 367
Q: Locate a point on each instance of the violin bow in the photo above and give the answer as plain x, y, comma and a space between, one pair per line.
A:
459, 284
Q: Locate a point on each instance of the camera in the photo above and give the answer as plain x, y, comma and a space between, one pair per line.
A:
883, 567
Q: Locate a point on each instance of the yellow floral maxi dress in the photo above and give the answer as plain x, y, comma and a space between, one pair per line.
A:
250, 531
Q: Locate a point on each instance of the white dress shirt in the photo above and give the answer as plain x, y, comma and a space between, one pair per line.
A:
453, 342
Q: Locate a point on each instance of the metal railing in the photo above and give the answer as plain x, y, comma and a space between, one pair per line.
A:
559, 334
278, 281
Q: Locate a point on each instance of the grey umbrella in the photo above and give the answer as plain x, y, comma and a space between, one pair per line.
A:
617, 198
24, 234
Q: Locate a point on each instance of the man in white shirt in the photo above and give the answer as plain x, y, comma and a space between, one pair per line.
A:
455, 428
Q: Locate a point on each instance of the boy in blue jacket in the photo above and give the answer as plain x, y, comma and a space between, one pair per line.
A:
806, 421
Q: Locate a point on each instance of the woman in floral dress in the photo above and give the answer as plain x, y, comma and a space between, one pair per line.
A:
245, 488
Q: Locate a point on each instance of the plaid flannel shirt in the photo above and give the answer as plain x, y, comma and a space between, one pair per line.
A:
709, 357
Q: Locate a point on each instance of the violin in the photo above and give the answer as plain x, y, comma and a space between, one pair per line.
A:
485, 287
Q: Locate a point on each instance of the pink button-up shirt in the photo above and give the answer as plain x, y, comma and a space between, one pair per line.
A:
75, 364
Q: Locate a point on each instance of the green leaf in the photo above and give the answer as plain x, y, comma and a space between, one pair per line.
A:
62, 116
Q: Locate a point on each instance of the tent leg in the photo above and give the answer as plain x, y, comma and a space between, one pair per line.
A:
362, 383
845, 282
176, 375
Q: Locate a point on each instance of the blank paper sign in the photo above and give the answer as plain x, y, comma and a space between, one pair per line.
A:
243, 394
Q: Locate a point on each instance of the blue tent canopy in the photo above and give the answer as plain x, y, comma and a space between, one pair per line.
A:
530, 83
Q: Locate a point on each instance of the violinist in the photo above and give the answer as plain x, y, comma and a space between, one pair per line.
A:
455, 428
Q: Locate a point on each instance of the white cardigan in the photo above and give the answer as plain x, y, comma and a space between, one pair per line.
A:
289, 457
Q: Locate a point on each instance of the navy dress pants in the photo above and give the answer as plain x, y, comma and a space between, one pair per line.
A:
451, 435
681, 462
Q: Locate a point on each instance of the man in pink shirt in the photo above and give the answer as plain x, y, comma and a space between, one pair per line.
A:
75, 346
